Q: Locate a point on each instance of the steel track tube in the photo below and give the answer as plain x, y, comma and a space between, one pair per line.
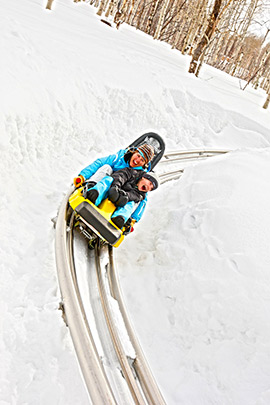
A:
148, 383
132, 384
200, 153
91, 367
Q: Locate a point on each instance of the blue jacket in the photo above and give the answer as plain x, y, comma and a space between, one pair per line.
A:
117, 162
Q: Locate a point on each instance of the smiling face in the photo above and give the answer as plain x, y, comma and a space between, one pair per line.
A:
137, 160
145, 185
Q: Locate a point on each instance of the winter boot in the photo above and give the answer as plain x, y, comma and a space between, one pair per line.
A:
113, 194
118, 221
122, 200
87, 187
92, 195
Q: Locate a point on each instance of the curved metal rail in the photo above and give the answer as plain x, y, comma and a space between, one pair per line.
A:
92, 369
190, 155
125, 366
149, 386
137, 374
172, 158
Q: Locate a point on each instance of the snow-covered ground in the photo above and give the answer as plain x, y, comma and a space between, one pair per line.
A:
195, 273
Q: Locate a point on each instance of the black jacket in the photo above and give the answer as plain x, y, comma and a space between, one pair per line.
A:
126, 179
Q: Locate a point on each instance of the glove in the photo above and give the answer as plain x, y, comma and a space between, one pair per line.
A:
87, 187
113, 194
92, 195
122, 200
129, 226
78, 181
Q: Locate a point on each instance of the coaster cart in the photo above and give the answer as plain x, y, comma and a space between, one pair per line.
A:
95, 222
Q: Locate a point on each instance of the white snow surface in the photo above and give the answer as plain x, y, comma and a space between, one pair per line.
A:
195, 274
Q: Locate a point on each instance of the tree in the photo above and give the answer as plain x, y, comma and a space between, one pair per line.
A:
242, 30
206, 36
49, 5
161, 19
267, 101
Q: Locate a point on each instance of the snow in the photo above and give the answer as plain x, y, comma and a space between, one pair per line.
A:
195, 273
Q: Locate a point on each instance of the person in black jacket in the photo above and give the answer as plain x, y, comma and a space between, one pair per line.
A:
125, 188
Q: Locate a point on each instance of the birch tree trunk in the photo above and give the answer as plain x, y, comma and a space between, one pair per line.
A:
196, 17
244, 28
131, 10
110, 8
161, 19
177, 19
237, 64
267, 101
102, 7
266, 81
265, 61
140, 14
167, 30
153, 10
49, 5
219, 48
206, 37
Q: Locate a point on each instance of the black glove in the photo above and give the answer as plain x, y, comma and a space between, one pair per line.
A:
87, 187
91, 195
113, 194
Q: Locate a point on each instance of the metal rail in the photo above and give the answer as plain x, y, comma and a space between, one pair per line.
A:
140, 364
138, 376
126, 368
184, 157
190, 155
92, 369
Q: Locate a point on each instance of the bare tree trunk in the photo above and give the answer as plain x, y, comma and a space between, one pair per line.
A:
266, 81
135, 11
245, 23
161, 19
258, 74
167, 29
267, 101
206, 36
110, 8
177, 32
237, 64
124, 10
197, 17
102, 7
49, 5
128, 19
140, 14
153, 10
219, 49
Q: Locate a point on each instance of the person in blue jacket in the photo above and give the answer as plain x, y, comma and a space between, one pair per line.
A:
136, 158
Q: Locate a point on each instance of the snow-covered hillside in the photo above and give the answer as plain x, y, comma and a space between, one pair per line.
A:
195, 273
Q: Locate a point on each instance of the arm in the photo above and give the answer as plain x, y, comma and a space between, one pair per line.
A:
137, 214
121, 177
134, 195
91, 169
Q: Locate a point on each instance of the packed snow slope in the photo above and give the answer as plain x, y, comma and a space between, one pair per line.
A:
195, 273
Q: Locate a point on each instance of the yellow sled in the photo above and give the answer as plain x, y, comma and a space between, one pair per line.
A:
97, 219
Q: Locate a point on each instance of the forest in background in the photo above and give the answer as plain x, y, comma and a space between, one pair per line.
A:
221, 33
